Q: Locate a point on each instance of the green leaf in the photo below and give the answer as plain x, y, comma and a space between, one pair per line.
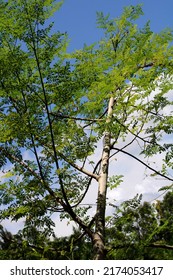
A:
166, 188
8, 174
114, 181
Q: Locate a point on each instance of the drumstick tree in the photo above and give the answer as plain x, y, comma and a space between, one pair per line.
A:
56, 108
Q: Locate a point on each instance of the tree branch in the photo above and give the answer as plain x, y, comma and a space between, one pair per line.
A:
82, 169
65, 204
152, 169
61, 116
161, 246
153, 245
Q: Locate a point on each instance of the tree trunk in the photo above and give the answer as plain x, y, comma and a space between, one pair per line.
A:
99, 236
98, 247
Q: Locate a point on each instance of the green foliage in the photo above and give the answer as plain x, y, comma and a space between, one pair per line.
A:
114, 181
135, 226
53, 112
131, 233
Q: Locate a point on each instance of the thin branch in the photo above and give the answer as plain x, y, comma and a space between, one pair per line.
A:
32, 172
22, 163
88, 185
134, 134
83, 234
153, 245
32, 136
82, 169
146, 65
61, 116
161, 246
66, 205
142, 162
104, 113
128, 144
48, 115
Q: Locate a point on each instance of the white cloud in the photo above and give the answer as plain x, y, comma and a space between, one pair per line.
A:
12, 226
64, 227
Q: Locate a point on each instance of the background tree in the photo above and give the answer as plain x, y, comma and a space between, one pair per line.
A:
57, 111
16, 247
136, 230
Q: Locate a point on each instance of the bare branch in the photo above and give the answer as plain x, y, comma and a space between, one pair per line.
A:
142, 162
82, 169
60, 116
161, 246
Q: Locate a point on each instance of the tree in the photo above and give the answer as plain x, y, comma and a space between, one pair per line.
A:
25, 245
32, 244
140, 230
135, 231
56, 107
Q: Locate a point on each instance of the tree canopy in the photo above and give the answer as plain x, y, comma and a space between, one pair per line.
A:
135, 231
56, 107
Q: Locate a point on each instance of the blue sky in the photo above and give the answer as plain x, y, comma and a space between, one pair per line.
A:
78, 17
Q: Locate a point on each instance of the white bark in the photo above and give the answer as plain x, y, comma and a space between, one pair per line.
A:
102, 187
